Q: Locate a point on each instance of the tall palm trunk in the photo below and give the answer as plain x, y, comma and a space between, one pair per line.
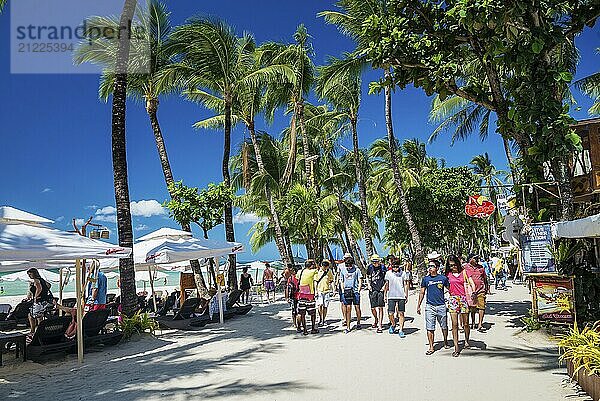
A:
229, 232
279, 241
305, 147
119, 159
412, 228
152, 110
362, 191
511, 160
352, 244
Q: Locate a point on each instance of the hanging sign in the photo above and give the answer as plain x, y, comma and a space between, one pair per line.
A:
554, 298
479, 206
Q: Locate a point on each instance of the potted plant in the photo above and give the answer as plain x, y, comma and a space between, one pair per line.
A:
580, 349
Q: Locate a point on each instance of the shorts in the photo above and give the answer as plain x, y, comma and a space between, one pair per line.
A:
355, 300
323, 299
38, 309
479, 302
306, 305
377, 299
269, 285
393, 302
458, 304
433, 313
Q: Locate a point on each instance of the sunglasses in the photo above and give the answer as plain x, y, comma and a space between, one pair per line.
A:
452, 264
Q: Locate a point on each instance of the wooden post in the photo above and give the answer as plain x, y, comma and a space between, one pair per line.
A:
79, 311
219, 294
151, 277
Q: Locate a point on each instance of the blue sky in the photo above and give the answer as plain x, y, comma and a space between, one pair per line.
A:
56, 133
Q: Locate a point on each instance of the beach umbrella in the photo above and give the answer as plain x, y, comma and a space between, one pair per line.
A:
23, 276
23, 238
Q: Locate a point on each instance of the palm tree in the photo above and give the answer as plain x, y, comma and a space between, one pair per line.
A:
156, 24
119, 157
213, 64
339, 82
297, 57
251, 101
590, 85
412, 228
2, 4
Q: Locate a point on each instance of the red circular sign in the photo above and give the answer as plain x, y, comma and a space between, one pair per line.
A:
479, 207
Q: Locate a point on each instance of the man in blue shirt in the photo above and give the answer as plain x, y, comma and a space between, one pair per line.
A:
435, 307
96, 290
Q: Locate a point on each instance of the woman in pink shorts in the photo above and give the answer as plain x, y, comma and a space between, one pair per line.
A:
457, 303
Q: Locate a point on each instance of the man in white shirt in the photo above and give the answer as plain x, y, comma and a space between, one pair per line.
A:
396, 291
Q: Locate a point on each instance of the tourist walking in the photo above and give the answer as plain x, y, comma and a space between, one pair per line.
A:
396, 291
480, 288
246, 284
291, 295
457, 302
306, 296
350, 284
268, 281
432, 287
324, 288
376, 281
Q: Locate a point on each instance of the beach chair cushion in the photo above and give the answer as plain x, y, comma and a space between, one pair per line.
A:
187, 309
234, 298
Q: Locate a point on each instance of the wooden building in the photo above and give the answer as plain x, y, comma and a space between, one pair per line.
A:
586, 164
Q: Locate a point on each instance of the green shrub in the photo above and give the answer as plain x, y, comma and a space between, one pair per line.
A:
531, 321
137, 324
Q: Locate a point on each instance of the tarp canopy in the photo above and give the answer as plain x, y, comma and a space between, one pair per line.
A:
20, 266
22, 242
580, 228
140, 275
166, 233
11, 215
23, 276
167, 251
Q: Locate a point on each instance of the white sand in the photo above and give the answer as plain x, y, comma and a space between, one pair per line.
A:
259, 357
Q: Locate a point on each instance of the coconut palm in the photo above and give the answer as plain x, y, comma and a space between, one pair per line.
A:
213, 63
154, 22
119, 157
250, 101
297, 57
590, 85
339, 83
3, 3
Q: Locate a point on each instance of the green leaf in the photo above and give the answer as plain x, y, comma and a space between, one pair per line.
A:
566, 76
537, 47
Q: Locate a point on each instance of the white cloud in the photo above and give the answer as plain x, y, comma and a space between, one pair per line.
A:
106, 210
141, 227
92, 207
147, 208
106, 218
242, 218
59, 219
45, 190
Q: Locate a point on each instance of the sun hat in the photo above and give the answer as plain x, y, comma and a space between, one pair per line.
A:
375, 258
347, 255
433, 255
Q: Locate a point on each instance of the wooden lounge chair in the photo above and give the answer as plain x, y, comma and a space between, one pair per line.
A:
49, 338
17, 317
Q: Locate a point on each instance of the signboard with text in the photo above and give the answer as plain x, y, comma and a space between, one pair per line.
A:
479, 206
554, 298
535, 247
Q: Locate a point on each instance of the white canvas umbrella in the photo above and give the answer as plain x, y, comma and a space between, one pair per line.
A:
23, 276
29, 241
11, 215
581, 228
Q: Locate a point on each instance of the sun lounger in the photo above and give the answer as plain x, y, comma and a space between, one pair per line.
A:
94, 329
49, 338
182, 317
232, 309
18, 316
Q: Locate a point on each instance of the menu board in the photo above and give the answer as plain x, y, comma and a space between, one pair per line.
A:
554, 299
535, 246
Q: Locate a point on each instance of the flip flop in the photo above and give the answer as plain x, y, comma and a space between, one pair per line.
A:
481, 330
447, 346
379, 331
314, 331
455, 354
429, 352
374, 325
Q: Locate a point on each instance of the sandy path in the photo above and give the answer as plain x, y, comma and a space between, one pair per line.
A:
259, 357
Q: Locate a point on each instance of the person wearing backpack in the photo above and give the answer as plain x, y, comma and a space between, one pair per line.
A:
306, 296
291, 295
350, 285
